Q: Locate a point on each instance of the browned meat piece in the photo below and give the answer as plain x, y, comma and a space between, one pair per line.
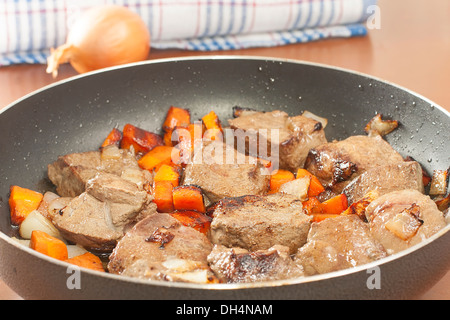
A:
401, 219
385, 179
295, 135
235, 265
223, 172
71, 172
124, 198
159, 247
336, 163
338, 243
98, 218
260, 222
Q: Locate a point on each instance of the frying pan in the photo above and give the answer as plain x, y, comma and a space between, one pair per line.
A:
75, 115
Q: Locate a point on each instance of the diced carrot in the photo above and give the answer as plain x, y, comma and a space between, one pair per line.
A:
168, 173
168, 138
113, 138
87, 260
48, 245
317, 217
278, 178
439, 182
176, 117
158, 156
335, 205
163, 195
193, 219
187, 138
193, 134
213, 126
312, 206
188, 197
22, 202
143, 141
315, 187
166, 178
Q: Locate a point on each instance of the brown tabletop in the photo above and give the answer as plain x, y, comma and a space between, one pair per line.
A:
411, 49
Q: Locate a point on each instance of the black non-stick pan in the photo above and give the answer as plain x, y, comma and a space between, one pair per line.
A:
76, 115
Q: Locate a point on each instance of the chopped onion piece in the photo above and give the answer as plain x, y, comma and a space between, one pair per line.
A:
181, 265
311, 115
187, 271
111, 152
438, 184
298, 188
405, 224
36, 221
239, 111
196, 276
134, 175
49, 197
74, 250
378, 126
56, 205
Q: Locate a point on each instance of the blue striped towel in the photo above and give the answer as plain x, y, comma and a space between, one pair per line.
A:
29, 28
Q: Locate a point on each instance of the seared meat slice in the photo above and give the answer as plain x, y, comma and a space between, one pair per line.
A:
401, 219
235, 265
124, 198
159, 247
385, 179
223, 172
338, 243
71, 172
86, 222
260, 222
99, 217
338, 162
295, 136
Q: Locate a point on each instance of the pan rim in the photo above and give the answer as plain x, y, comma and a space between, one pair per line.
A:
225, 57
236, 286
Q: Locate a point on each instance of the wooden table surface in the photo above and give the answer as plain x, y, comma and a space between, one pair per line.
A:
412, 49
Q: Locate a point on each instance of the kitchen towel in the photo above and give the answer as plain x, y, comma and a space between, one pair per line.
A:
29, 28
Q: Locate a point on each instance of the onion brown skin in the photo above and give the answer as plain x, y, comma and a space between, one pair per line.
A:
103, 36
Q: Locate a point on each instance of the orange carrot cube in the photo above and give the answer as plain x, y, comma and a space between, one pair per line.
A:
163, 196
335, 205
113, 138
176, 117
315, 187
193, 219
188, 197
48, 245
22, 202
87, 260
279, 178
158, 156
143, 141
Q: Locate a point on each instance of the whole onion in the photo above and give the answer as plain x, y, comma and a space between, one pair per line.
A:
103, 36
